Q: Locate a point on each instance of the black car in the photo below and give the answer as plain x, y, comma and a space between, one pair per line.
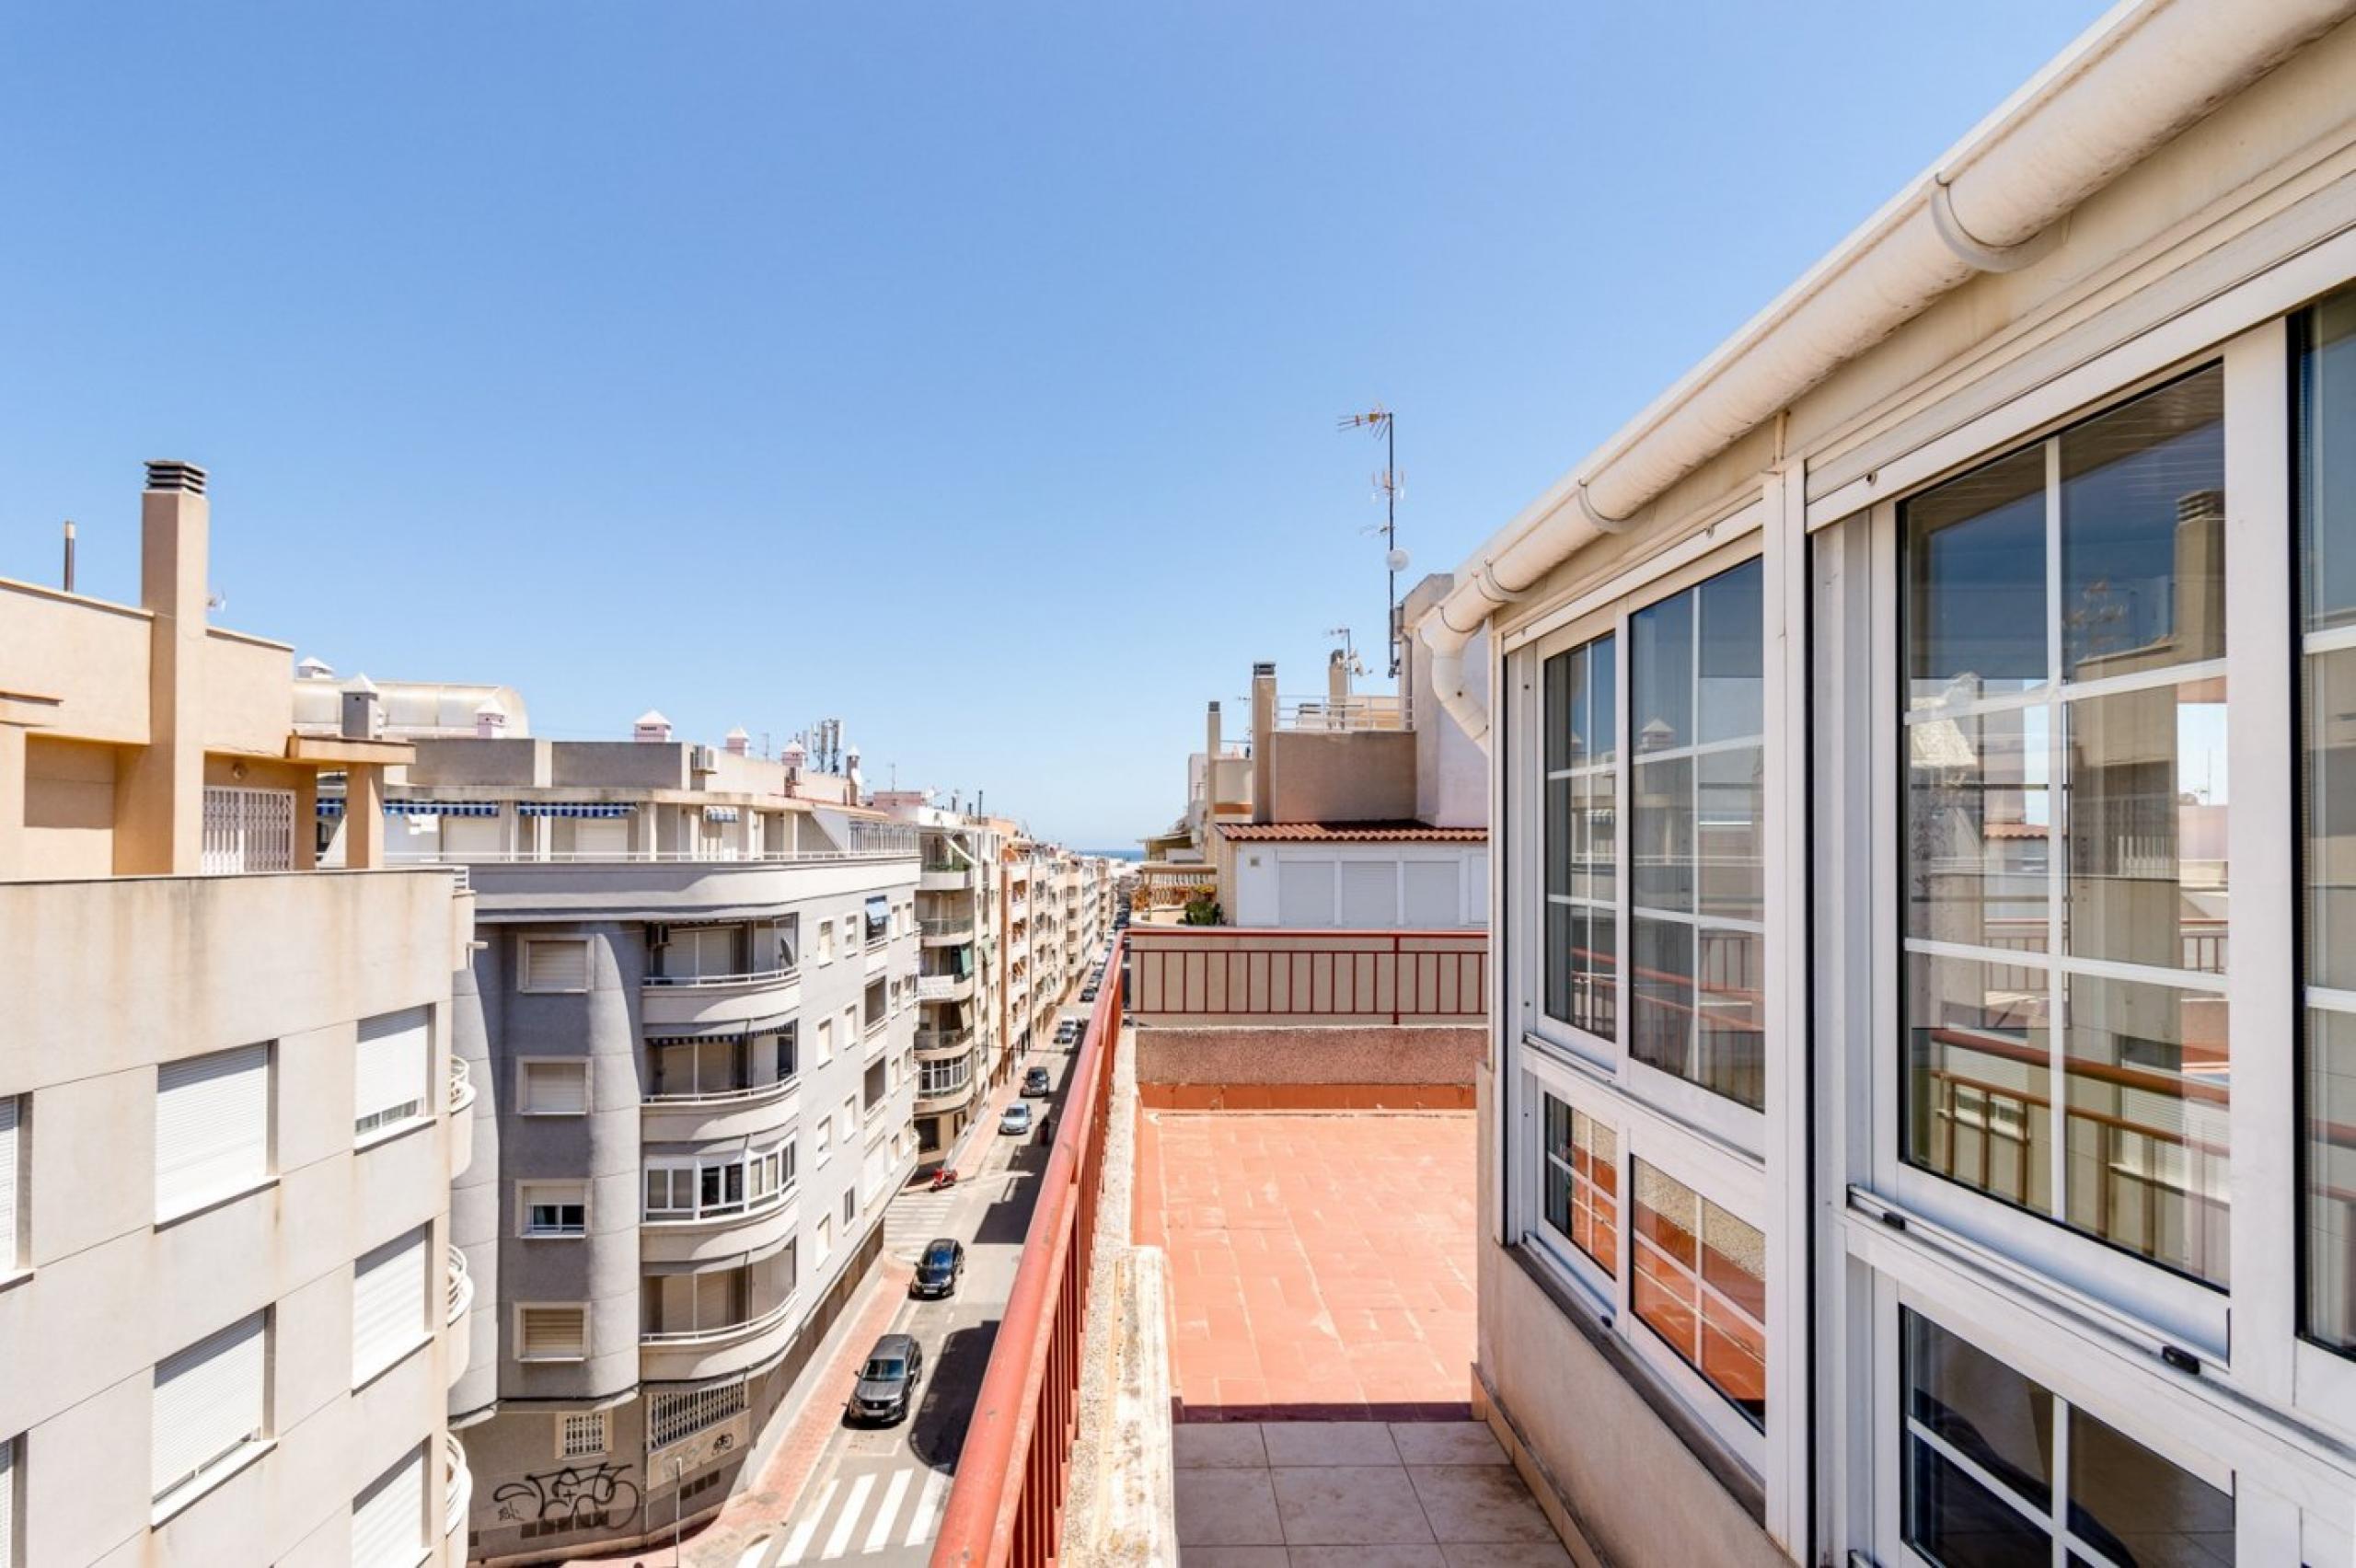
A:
1088, 995
887, 1384
1035, 1083
938, 1269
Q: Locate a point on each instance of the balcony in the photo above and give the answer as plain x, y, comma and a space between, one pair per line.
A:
944, 988
947, 932
712, 1237
938, 1094
457, 1498
698, 1003
693, 1355
462, 1086
462, 1126
719, 1114
938, 1042
945, 876
459, 1295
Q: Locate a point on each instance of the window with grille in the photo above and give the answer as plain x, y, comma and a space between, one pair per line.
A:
389, 1066
583, 1433
671, 1417
10, 1115
247, 830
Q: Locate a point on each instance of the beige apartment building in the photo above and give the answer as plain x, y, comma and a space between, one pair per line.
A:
962, 978
229, 1118
1917, 1124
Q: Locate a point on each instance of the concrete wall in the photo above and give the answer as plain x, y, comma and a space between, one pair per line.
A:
105, 979
1599, 1456
1350, 776
1309, 1067
69, 808
248, 693
619, 763
521, 763
88, 654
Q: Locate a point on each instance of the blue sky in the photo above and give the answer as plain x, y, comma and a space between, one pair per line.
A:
966, 372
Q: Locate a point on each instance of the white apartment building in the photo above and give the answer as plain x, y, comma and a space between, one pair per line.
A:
1920, 1127
228, 1115
692, 1012
962, 975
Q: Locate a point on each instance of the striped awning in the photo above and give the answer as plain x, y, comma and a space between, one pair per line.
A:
719, 813
331, 806
442, 808
571, 809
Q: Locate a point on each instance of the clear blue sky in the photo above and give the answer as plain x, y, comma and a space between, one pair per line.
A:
968, 371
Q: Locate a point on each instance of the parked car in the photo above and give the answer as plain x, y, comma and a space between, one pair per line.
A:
887, 1382
1035, 1082
1088, 995
1016, 1120
938, 1268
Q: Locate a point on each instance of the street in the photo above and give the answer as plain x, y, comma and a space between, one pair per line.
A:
877, 1492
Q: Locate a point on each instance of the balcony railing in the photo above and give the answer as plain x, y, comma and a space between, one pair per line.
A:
749, 977
461, 1287
946, 1039
639, 857
954, 928
722, 1334
1169, 884
1218, 975
459, 1486
1344, 713
1006, 1506
462, 1086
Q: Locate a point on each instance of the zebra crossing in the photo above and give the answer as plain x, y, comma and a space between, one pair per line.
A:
915, 1217
862, 1516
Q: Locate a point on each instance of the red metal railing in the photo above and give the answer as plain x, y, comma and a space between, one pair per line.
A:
1219, 973
1006, 1507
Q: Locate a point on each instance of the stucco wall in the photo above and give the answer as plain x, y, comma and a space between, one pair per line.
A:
1364, 775
90, 655
1334, 1068
69, 809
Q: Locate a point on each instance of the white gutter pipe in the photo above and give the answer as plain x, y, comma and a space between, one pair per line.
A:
2147, 70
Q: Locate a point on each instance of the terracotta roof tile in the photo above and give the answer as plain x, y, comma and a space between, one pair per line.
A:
1351, 832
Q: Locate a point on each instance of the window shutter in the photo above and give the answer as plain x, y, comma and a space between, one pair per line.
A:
555, 1332
389, 1075
389, 1520
211, 1127
556, 1088
556, 965
8, 1236
208, 1402
1370, 894
1432, 895
387, 1306
1304, 893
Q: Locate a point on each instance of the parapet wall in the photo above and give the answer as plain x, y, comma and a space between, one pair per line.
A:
1309, 1067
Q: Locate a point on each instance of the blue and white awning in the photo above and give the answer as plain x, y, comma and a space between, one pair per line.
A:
719, 813
571, 809
442, 808
331, 806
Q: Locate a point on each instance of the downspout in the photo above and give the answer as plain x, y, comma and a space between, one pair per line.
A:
2128, 85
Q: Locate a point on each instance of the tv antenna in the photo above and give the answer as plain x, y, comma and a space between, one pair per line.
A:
1388, 482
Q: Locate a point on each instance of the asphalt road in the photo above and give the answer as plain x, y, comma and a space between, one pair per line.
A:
876, 1494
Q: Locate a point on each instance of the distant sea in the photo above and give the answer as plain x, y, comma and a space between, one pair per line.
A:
1118, 854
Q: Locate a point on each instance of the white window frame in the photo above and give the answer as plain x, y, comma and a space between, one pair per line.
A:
524, 1066
826, 941
588, 1342
14, 1122
823, 1042
534, 1193
523, 982
372, 1126
582, 1434
765, 1177
181, 1205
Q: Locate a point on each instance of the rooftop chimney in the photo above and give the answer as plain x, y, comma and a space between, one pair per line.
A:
738, 741
491, 719
171, 474
159, 797
650, 726
1263, 726
314, 669
1210, 734
364, 710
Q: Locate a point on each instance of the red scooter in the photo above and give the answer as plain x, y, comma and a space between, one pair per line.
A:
943, 1178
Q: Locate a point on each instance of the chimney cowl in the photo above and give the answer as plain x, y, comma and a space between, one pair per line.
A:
1264, 668
171, 474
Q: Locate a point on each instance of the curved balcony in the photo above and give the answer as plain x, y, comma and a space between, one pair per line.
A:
714, 1237
697, 1353
944, 988
725, 1114
458, 1295
946, 932
948, 877
462, 1124
462, 1086
933, 1045
457, 1494
714, 1002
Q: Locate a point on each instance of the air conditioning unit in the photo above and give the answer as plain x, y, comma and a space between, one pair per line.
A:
702, 759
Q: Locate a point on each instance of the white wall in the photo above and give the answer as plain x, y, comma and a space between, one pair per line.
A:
1376, 886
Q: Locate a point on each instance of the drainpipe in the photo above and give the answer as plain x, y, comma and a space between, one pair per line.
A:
2124, 88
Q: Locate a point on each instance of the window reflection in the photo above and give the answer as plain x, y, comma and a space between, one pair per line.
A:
1582, 842
2052, 823
1582, 1182
1700, 1283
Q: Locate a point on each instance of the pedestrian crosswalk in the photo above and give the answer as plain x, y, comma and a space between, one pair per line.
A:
915, 1217
864, 1514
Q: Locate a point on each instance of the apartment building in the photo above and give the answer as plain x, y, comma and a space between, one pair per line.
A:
693, 1009
229, 1118
962, 971
1918, 1125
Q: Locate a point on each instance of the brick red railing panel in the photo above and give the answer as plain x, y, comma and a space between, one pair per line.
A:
1210, 974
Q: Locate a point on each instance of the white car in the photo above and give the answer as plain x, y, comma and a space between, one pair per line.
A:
1016, 1120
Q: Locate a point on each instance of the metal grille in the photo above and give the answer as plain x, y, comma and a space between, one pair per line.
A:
247, 830
671, 1417
582, 1433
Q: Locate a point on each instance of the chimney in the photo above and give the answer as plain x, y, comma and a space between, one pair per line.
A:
1338, 687
159, 797
69, 555
364, 710
1263, 726
491, 719
1210, 736
738, 741
650, 726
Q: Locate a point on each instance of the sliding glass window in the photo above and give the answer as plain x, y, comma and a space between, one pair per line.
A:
2326, 479
1581, 1183
1700, 1283
1581, 758
2065, 882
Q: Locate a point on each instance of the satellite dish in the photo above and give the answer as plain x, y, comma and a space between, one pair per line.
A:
1396, 561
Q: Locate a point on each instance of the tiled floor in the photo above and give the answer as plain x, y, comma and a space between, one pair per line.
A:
1321, 1266
1354, 1495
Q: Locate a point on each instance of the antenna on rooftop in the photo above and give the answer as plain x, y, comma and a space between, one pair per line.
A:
1388, 482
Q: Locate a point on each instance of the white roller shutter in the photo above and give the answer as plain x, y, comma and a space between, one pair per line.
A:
471, 835
389, 1520
560, 964
389, 1071
387, 1306
1370, 895
1304, 894
208, 1402
1432, 898
211, 1127
556, 1088
7, 1230
605, 836
554, 1333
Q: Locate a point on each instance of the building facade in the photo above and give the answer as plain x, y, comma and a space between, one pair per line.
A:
1918, 1128
228, 1115
693, 1005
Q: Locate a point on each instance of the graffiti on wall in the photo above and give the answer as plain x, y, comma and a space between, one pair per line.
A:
573, 1497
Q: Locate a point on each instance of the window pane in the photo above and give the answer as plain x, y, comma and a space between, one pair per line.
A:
1660, 690
1599, 705
2331, 816
2135, 1506
1979, 1076
1553, 1173
1660, 837
2146, 815
1979, 829
2327, 433
1975, 557
1663, 973
1595, 849
1581, 851
1954, 1520
1559, 681
2148, 1114
1984, 1410
2332, 1179
1596, 1167
1731, 692
1730, 819
1700, 1283
1730, 1056
2143, 532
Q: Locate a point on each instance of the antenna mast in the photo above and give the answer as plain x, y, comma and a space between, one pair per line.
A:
1388, 481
